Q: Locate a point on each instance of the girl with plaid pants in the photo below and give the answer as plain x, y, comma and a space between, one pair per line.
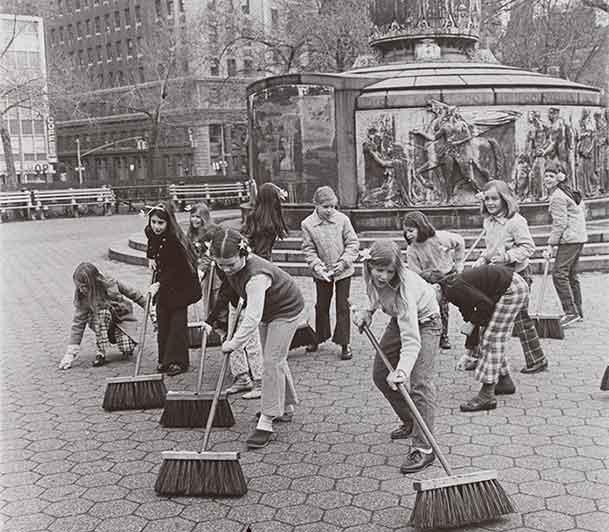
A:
491, 297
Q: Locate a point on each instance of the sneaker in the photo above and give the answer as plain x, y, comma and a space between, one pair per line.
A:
402, 432
569, 319
175, 369
255, 392
240, 384
259, 439
286, 417
67, 360
417, 461
445, 343
467, 362
476, 405
100, 360
346, 353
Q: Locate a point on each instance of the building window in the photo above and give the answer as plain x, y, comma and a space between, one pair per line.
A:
120, 80
107, 22
97, 25
79, 30
109, 51
117, 20
157, 8
110, 79
274, 17
100, 79
81, 57
245, 7
77, 4
181, 6
138, 14
38, 127
119, 52
170, 8
90, 55
214, 69
248, 66
127, 17
129, 47
70, 32
98, 52
140, 72
26, 127
88, 26
61, 39
59, 5
53, 35
231, 67
139, 44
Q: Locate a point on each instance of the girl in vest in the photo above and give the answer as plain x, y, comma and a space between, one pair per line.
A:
410, 341
569, 235
177, 286
273, 304
509, 243
105, 305
433, 254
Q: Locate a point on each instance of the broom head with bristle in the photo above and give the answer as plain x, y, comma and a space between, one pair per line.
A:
304, 335
204, 474
459, 500
190, 410
142, 392
548, 326
605, 380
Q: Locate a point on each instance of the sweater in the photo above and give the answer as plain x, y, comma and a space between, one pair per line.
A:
509, 236
442, 252
568, 220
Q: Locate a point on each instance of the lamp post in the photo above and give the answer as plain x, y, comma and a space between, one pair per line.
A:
79, 167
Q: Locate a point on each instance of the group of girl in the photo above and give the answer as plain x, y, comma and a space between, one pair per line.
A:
492, 297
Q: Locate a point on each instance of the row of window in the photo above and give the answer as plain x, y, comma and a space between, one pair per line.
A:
112, 51
231, 67
167, 7
22, 60
25, 127
86, 27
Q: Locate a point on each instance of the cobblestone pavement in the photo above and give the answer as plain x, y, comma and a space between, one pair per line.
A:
68, 466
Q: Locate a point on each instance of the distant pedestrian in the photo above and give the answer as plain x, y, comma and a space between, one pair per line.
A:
273, 305
410, 342
177, 286
509, 243
569, 235
490, 297
433, 254
330, 246
105, 305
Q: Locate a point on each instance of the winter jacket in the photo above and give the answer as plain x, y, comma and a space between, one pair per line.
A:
568, 220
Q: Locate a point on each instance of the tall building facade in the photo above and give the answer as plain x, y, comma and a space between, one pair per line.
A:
26, 124
202, 133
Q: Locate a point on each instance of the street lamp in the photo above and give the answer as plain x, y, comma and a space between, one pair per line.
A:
79, 167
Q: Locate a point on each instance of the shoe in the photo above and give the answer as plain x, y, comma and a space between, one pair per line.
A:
175, 369
467, 362
67, 360
505, 385
127, 355
417, 461
255, 392
476, 404
312, 348
240, 384
535, 368
445, 343
570, 319
402, 432
259, 439
100, 360
283, 418
346, 353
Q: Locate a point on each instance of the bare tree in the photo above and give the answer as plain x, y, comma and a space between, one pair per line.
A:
603, 5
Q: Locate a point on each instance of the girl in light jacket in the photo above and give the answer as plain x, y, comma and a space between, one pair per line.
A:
569, 235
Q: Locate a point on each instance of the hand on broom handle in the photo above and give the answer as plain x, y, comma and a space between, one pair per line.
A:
473, 246
411, 406
544, 279
210, 280
223, 368
140, 351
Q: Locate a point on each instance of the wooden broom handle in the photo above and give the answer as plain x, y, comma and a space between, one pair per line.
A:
542, 292
140, 350
411, 406
473, 246
216, 399
210, 280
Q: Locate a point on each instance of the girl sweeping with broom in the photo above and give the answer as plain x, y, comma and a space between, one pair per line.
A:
274, 304
410, 342
105, 305
177, 286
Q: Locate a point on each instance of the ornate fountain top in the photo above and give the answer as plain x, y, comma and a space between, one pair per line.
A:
424, 27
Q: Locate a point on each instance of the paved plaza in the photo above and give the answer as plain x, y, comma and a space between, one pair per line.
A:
68, 466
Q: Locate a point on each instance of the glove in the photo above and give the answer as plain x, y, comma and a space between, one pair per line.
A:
71, 355
362, 318
322, 273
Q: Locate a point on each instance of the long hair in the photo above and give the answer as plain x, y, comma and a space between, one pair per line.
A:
165, 211
96, 294
509, 200
386, 253
424, 227
202, 210
267, 216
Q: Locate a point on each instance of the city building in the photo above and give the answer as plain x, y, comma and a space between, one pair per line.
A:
119, 45
26, 123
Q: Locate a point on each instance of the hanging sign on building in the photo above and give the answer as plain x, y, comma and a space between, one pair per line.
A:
52, 140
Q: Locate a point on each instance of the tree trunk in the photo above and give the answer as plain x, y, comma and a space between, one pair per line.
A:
11, 173
153, 150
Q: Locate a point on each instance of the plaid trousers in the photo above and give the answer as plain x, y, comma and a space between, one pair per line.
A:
105, 328
492, 343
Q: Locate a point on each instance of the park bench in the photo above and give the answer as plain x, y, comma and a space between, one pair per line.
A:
72, 200
17, 202
214, 194
136, 197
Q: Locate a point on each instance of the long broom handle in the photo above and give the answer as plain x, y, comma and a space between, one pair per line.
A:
210, 280
216, 399
542, 292
411, 406
140, 351
474, 245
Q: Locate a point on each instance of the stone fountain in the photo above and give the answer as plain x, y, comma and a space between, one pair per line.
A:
424, 123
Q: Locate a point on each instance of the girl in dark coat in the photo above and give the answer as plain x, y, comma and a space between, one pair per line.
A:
176, 287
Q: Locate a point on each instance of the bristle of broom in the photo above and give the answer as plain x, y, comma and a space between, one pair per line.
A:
193, 413
605, 380
137, 395
464, 504
304, 335
201, 478
549, 328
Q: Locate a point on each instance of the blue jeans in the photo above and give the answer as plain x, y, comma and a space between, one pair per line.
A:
422, 388
565, 278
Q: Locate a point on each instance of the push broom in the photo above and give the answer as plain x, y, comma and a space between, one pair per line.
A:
547, 325
139, 392
454, 500
605, 380
205, 473
191, 409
